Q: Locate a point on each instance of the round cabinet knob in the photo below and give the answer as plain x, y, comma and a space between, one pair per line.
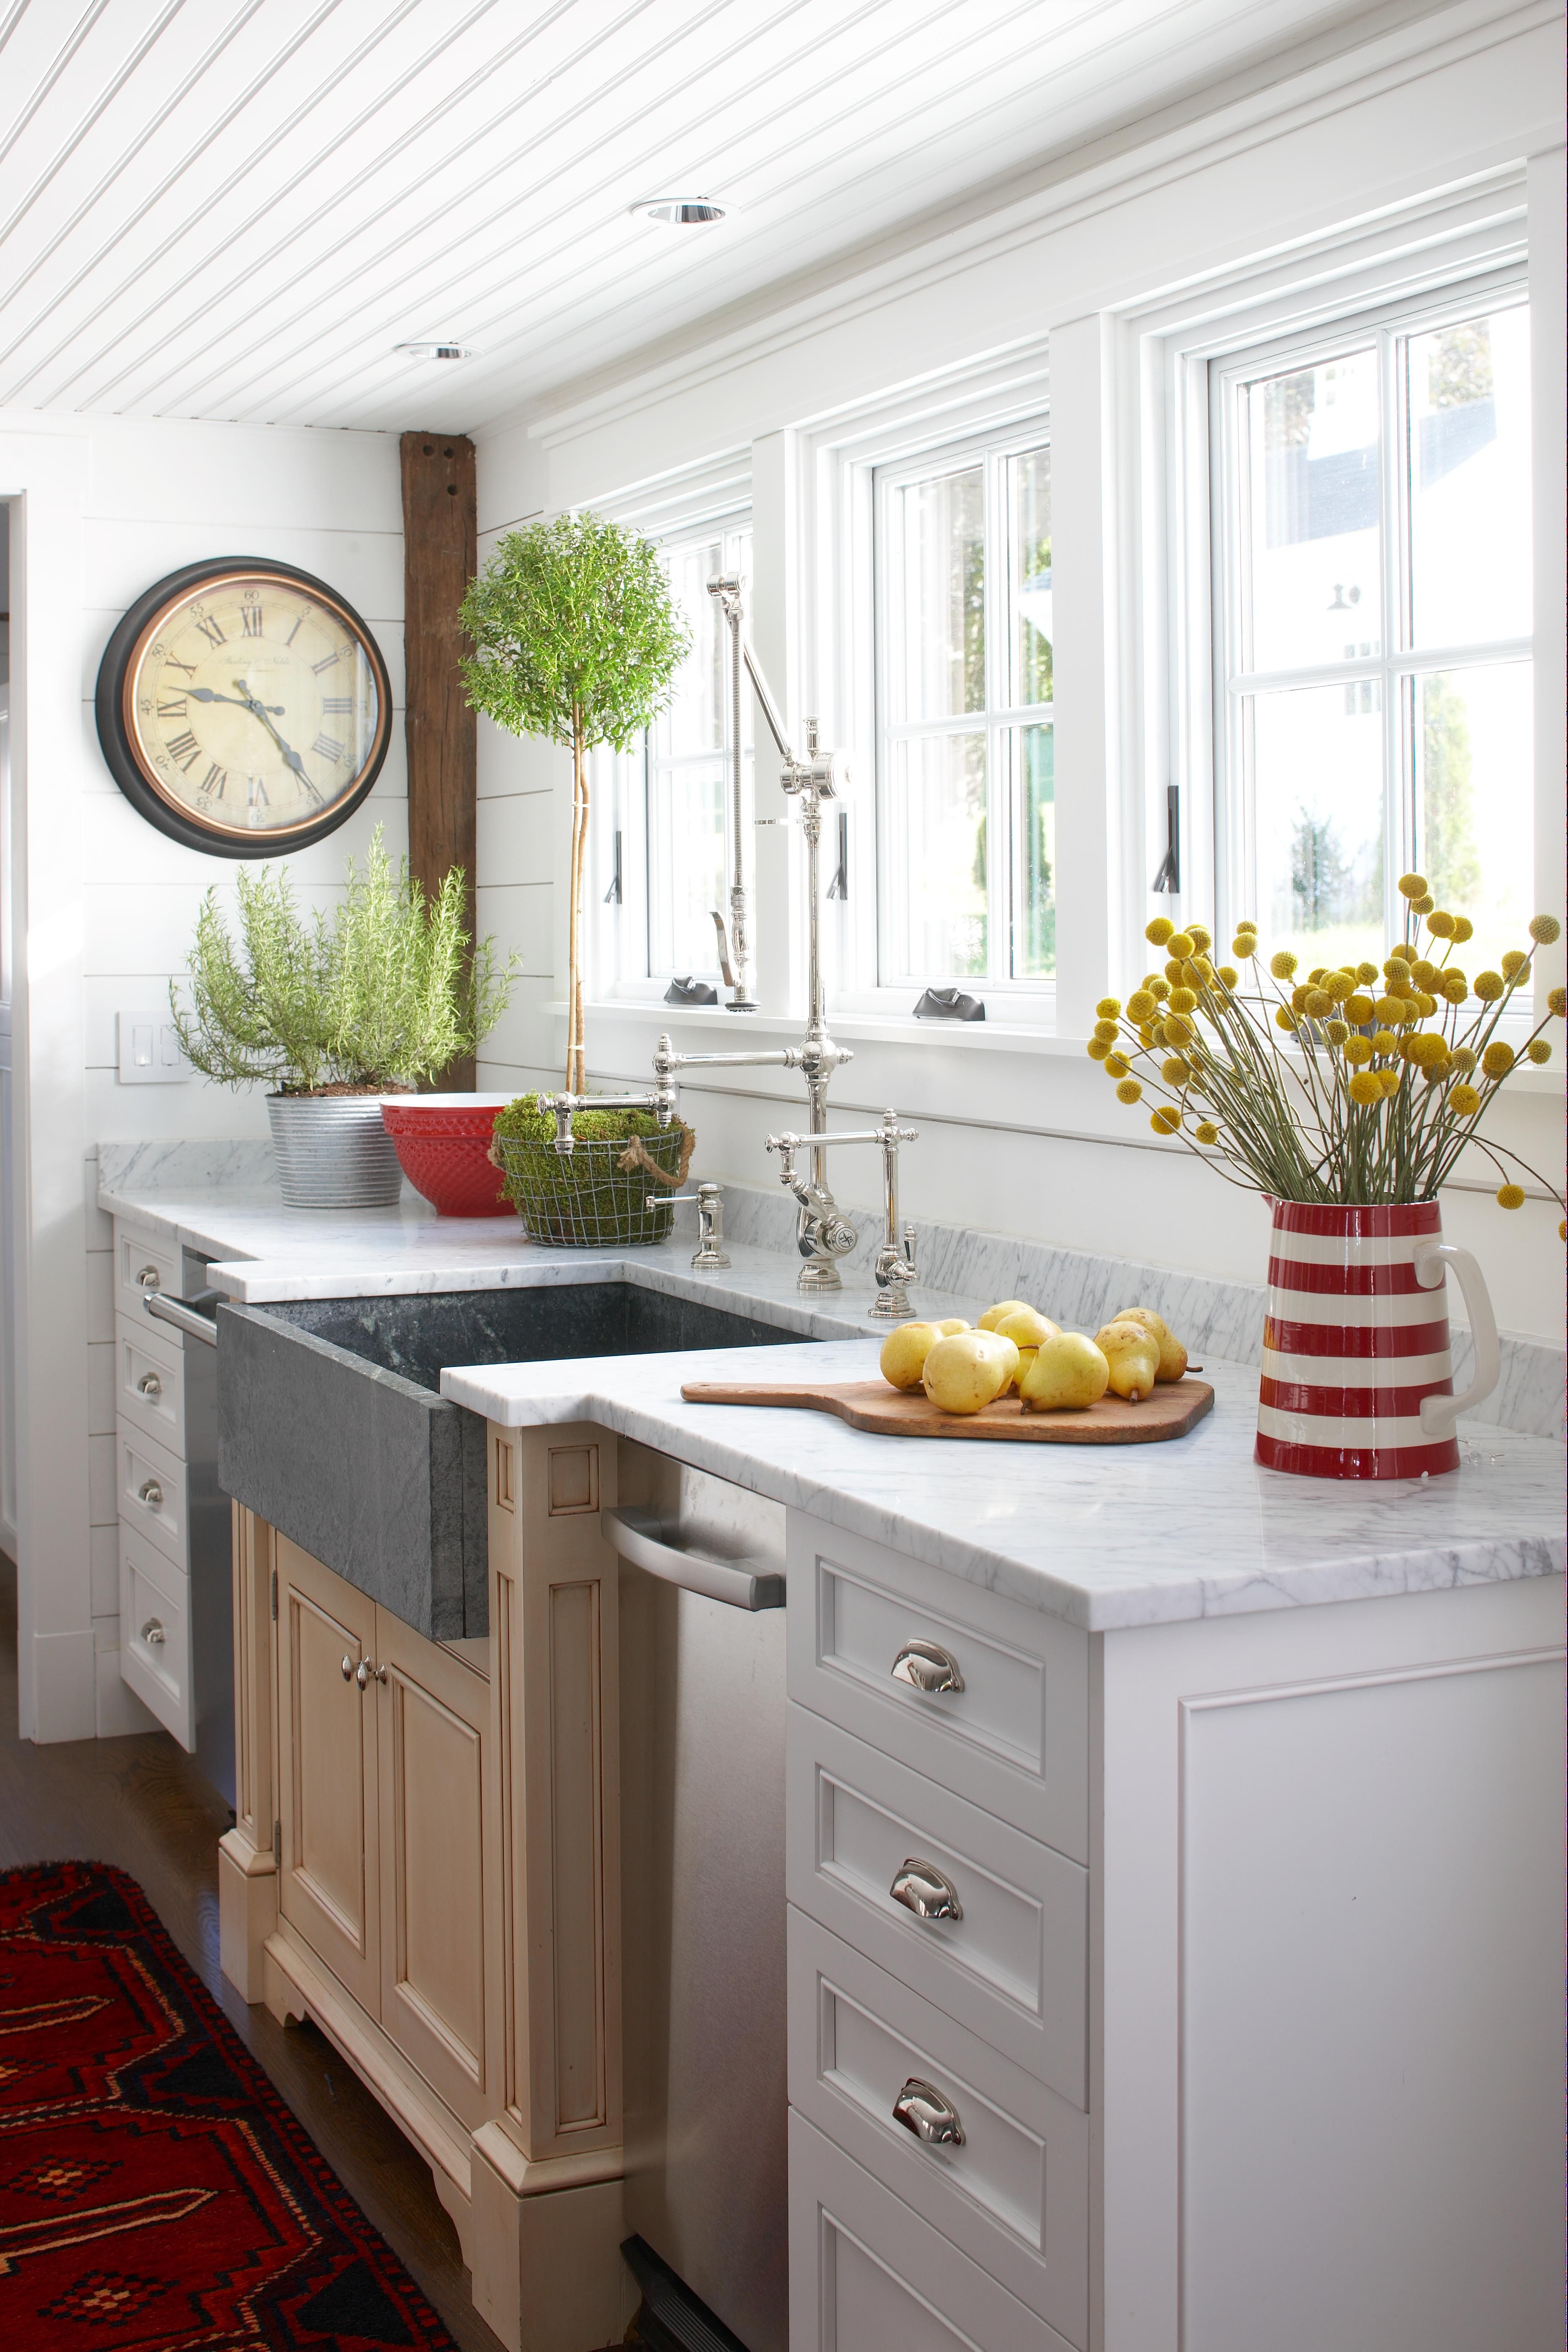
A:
150, 1278
922, 2109
926, 1891
346, 1667
365, 1674
153, 1633
150, 1492
150, 1386
927, 1666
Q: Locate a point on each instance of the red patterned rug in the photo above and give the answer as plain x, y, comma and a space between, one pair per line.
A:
155, 2193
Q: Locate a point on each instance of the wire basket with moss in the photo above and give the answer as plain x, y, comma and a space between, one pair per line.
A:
597, 1192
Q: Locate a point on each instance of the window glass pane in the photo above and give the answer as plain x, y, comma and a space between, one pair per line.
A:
687, 871
1312, 461
1474, 793
1029, 579
695, 718
1470, 480
937, 661
1032, 750
936, 841
1317, 787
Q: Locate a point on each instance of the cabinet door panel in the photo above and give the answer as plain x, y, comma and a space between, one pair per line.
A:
435, 1718
327, 1792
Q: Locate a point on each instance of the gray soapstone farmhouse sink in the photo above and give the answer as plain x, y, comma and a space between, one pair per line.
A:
331, 1425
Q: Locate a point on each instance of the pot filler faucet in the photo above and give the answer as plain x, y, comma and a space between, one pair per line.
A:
823, 1234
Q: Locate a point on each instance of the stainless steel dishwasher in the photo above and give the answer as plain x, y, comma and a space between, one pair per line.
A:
703, 1827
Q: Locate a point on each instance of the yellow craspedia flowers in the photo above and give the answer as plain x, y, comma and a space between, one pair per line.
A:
1511, 1196
1283, 965
1440, 925
1498, 1059
1428, 1050
1545, 929
1558, 1002
1513, 963
1364, 1086
1097, 1049
1128, 1091
1183, 1000
1539, 1050
1116, 1065
1140, 1004
1206, 1131
1159, 930
1107, 1029
1357, 1050
1166, 1121
1463, 929
1358, 1008
1109, 1008
1413, 885
1490, 986
1178, 1028
1285, 1018
1180, 945
1465, 1099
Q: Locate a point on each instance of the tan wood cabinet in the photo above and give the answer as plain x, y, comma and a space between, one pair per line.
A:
328, 1719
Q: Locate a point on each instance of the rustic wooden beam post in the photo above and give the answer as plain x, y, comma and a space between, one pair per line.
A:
440, 556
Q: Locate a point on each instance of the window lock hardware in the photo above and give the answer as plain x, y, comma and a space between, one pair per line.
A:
613, 895
1167, 882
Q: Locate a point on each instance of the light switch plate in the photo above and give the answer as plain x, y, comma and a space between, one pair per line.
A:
148, 1049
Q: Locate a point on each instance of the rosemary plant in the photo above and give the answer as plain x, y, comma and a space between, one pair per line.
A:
1356, 1085
372, 995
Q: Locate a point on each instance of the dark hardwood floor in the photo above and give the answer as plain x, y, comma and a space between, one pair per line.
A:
140, 1803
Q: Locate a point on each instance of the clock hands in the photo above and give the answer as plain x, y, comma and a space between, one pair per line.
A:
205, 694
258, 709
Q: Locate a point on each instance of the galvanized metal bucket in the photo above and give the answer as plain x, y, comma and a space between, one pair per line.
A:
333, 1151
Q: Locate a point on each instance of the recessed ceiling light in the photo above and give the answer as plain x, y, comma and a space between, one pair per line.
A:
679, 212
436, 350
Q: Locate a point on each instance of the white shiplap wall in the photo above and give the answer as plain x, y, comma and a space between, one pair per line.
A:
108, 505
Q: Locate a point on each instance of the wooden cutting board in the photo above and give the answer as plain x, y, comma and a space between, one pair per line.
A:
1171, 1411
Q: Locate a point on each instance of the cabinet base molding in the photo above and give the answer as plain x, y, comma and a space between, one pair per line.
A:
247, 1911
295, 1986
547, 2267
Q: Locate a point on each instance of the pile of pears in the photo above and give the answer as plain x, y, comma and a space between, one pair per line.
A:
1016, 1350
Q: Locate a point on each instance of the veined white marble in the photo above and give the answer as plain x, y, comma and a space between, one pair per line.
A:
1107, 1538
214, 1197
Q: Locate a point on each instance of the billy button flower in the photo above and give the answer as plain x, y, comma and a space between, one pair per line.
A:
1140, 1004
1206, 1131
1109, 1008
1176, 1072
1166, 1121
1440, 925
1319, 1003
1107, 1031
1539, 1050
1159, 989
1285, 1019
1384, 1041
1244, 945
1283, 965
1463, 929
1513, 963
1097, 1049
1358, 1008
1511, 1196
1159, 930
1229, 976
1183, 1000
1558, 1002
1357, 1050
1180, 944
1413, 885
1456, 987
1464, 1060
1545, 929
1128, 1091
1116, 1065
1364, 1087
1465, 1100
1178, 1029
1498, 1059
1389, 1081
1490, 986
1338, 1033
1426, 1005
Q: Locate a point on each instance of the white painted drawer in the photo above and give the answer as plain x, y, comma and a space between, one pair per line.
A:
1015, 1737
1011, 1968
142, 1264
155, 1633
867, 2274
1013, 2193
150, 1382
152, 1488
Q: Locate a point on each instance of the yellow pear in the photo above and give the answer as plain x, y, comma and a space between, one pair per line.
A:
951, 1324
1172, 1355
904, 1353
1068, 1372
1004, 1306
1026, 1327
1026, 1357
1132, 1354
965, 1370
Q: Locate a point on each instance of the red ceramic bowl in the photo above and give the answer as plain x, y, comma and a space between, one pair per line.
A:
443, 1144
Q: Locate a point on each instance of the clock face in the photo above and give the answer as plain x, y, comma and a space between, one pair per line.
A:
244, 707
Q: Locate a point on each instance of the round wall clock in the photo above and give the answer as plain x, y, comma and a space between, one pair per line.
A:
242, 707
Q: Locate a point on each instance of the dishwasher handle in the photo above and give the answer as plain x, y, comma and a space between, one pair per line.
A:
638, 1537
184, 1314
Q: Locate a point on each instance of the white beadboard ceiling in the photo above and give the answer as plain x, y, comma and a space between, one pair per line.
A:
234, 209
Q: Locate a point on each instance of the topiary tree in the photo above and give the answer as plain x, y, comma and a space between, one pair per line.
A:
577, 638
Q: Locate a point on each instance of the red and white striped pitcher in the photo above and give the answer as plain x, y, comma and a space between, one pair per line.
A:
1357, 1373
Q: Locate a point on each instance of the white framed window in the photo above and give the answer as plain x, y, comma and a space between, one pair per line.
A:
1371, 618
666, 835
965, 775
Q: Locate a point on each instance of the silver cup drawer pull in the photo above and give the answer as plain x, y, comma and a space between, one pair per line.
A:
922, 2109
149, 1278
150, 1386
927, 1666
926, 1891
150, 1492
153, 1633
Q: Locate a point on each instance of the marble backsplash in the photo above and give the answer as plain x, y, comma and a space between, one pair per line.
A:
1074, 1288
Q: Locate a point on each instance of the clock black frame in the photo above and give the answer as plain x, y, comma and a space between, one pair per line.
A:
118, 747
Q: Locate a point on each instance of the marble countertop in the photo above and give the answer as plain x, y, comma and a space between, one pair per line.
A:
1105, 1536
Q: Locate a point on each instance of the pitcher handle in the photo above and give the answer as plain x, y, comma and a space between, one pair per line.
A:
1433, 1259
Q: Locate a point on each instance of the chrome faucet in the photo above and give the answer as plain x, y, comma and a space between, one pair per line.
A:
823, 1235
660, 1100
894, 1266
